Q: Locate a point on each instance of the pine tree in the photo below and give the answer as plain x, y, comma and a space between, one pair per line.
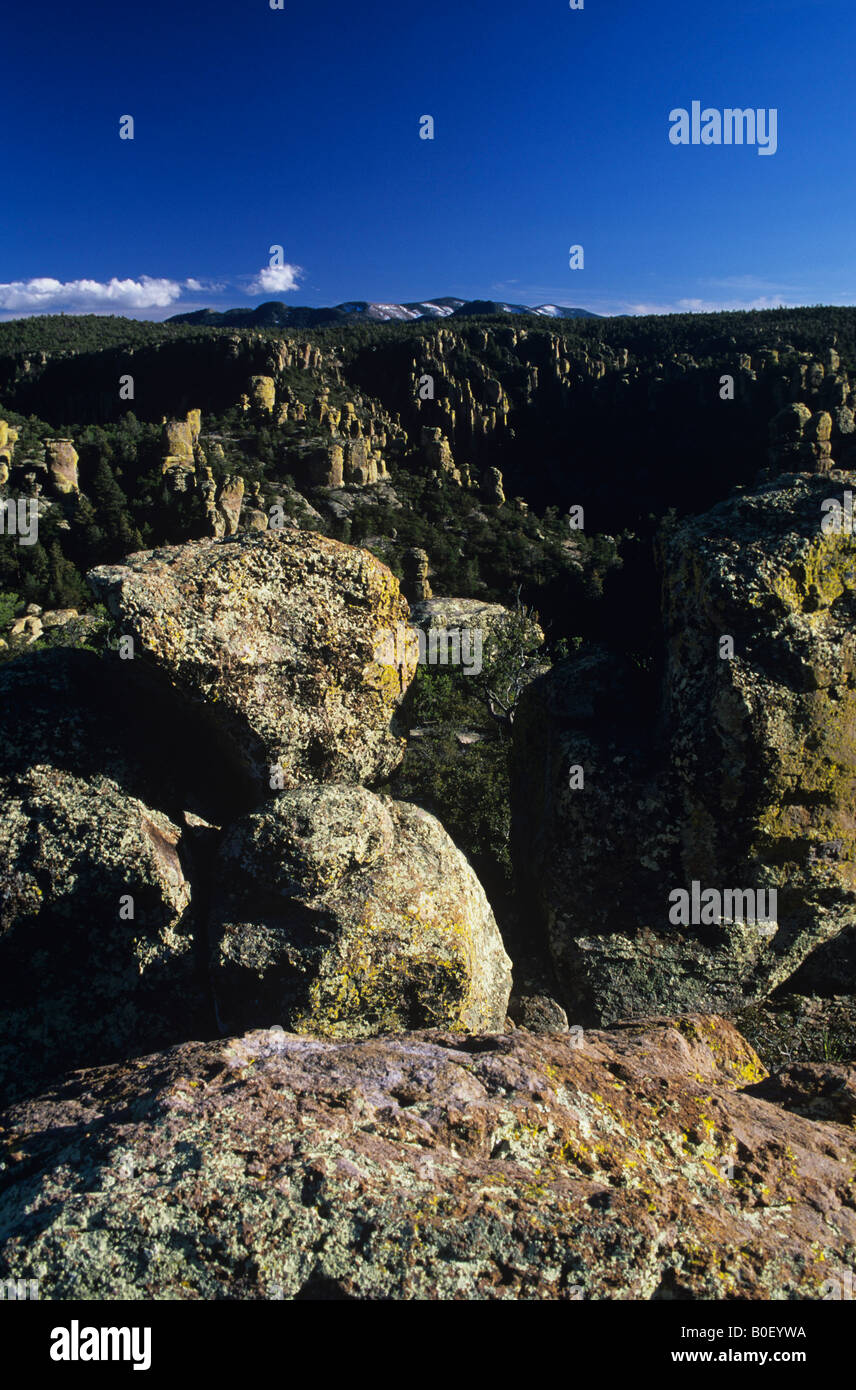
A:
67, 589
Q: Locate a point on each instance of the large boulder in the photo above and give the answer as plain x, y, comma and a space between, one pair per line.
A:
271, 637
737, 772
345, 914
96, 952
634, 1164
106, 798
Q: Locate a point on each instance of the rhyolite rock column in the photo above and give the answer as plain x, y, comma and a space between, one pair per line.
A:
735, 769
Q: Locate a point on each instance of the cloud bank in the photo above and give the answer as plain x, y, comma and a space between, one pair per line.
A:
46, 295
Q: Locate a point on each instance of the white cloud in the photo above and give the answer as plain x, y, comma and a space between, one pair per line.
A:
703, 306
203, 286
276, 279
46, 295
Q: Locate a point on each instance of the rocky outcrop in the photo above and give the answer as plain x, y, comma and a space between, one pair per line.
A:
737, 774
8, 440
101, 782
95, 950
634, 1164
323, 465
818, 436
492, 620
29, 628
263, 393
271, 637
436, 454
343, 914
180, 451
230, 496
361, 465
416, 568
62, 459
493, 489
788, 446
179, 439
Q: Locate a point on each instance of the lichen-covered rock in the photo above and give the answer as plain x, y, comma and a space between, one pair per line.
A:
323, 465
436, 454
271, 637
8, 440
344, 914
538, 1012
492, 620
786, 432
230, 497
817, 1090
62, 459
95, 950
103, 784
58, 617
493, 488
263, 393
360, 465
738, 774
177, 442
637, 1165
818, 434
416, 568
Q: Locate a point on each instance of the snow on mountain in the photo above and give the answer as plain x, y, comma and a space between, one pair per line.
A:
276, 313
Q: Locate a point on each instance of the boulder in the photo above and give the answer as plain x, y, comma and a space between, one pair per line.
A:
635, 1164
30, 628
98, 776
343, 914
270, 637
734, 772
58, 617
492, 620
96, 955
62, 459
539, 1013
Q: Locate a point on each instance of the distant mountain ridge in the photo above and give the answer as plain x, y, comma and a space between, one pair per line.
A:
274, 313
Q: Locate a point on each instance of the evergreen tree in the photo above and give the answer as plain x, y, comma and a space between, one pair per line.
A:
67, 589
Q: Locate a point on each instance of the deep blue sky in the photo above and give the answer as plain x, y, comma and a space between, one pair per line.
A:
300, 127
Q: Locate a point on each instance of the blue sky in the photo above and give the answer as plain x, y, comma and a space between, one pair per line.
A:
300, 127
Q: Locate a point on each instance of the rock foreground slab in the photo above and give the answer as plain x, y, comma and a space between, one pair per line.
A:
272, 637
632, 1164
